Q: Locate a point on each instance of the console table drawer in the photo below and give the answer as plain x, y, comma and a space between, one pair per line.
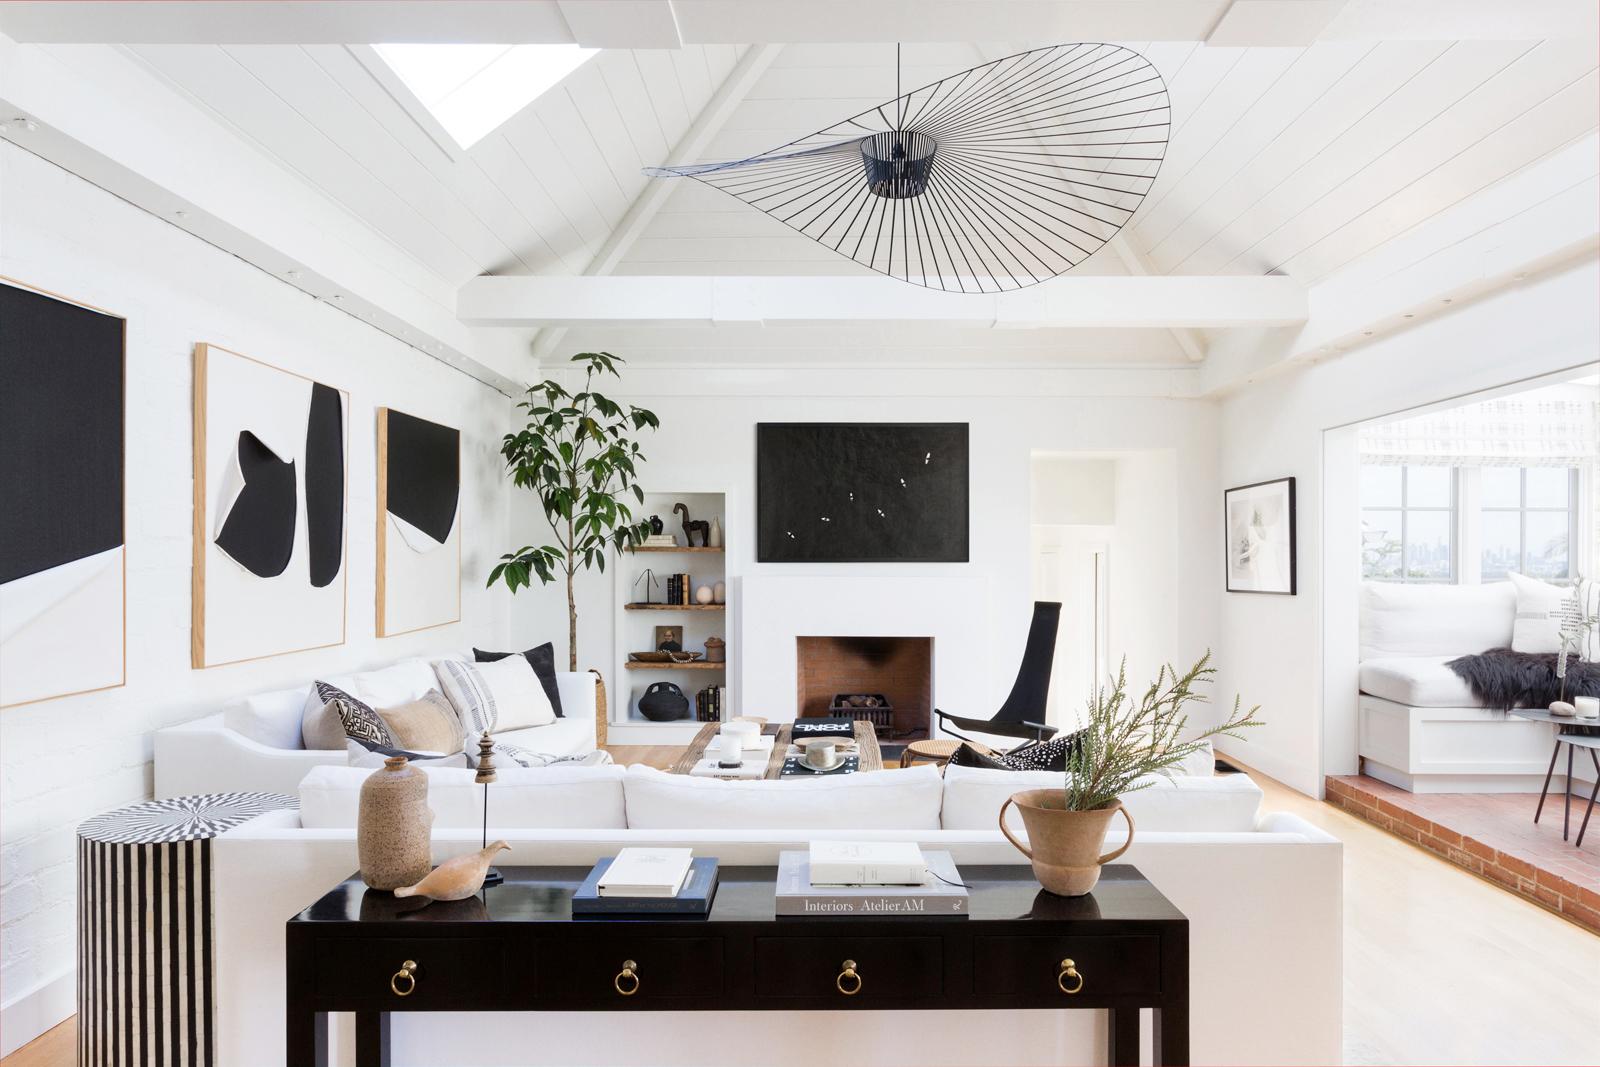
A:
664, 968
886, 968
445, 971
1107, 966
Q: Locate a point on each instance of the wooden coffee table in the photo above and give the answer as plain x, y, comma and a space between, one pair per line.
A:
866, 746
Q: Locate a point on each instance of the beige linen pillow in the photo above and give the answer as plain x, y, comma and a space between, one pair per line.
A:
427, 724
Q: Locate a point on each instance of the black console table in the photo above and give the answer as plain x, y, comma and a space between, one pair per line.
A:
516, 947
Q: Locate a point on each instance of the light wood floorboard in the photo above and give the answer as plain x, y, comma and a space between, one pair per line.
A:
1440, 967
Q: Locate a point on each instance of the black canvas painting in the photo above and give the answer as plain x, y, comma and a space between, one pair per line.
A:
424, 473
830, 492
325, 484
60, 432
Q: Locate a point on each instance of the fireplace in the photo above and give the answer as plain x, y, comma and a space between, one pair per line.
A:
896, 672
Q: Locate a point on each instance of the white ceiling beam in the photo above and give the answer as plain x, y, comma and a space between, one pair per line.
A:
622, 23
95, 111
1257, 22
690, 147
1070, 302
1540, 220
1190, 341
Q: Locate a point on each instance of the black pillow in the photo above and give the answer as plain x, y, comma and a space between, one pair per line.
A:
1048, 755
543, 661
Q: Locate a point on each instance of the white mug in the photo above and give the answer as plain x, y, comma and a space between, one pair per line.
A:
730, 751
1588, 707
746, 732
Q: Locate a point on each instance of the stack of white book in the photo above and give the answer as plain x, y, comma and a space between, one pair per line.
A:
869, 878
647, 872
660, 540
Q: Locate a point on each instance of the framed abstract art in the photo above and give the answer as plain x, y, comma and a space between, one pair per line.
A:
419, 523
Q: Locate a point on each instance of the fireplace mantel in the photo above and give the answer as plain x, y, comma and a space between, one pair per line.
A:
953, 611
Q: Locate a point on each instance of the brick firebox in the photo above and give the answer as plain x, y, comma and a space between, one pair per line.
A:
901, 668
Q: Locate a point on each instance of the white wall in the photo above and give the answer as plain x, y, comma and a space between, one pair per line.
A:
65, 759
1271, 646
707, 440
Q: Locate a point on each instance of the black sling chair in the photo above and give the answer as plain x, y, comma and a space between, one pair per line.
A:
1022, 715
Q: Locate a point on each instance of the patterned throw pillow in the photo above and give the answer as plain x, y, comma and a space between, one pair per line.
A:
1048, 755
359, 720
472, 698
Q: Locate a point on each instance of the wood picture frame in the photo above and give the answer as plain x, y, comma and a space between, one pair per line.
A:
411, 580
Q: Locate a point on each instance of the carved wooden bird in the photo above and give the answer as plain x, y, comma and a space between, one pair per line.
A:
455, 879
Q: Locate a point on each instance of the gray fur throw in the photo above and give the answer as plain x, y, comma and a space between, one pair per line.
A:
1503, 679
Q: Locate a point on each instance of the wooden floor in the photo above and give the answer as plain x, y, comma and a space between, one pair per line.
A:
1440, 966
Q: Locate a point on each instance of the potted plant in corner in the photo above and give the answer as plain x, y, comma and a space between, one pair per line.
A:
1120, 749
576, 452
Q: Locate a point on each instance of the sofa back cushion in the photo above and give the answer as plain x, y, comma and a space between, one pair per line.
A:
556, 798
888, 800
272, 719
1226, 804
1399, 619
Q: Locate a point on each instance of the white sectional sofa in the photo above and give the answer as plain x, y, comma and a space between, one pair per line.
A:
1421, 728
1262, 893
254, 742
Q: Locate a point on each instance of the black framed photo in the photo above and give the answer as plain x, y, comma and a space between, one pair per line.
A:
1260, 531
836, 492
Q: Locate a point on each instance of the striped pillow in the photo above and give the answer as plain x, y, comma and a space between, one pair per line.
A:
470, 695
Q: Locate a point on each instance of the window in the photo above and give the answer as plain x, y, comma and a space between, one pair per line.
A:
1526, 517
1408, 520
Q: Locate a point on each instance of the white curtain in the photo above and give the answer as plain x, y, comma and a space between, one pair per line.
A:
1514, 432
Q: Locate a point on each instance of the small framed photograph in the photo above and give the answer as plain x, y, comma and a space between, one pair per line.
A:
669, 635
1260, 530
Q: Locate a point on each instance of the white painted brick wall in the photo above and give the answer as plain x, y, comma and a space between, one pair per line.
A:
66, 759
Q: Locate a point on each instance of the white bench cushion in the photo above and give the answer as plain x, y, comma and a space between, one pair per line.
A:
1229, 803
584, 798
1417, 682
881, 800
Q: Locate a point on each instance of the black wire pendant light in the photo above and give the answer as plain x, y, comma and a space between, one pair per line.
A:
996, 178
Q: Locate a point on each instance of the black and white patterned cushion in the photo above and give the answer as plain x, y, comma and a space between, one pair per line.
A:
470, 695
360, 721
1048, 755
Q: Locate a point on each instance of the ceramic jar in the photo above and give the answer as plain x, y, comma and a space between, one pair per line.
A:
716, 650
393, 826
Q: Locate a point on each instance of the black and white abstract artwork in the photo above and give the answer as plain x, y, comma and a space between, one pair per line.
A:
834, 492
1260, 532
62, 566
270, 462
419, 529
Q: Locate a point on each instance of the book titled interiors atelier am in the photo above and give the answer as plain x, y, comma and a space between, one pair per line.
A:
941, 894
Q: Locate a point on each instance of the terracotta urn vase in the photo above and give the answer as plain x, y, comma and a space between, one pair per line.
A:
393, 826
1065, 845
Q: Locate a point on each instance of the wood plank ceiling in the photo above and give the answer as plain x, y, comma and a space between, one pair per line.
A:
1282, 160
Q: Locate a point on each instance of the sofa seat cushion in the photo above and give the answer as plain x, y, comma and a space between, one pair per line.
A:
1417, 682
1227, 804
557, 798
882, 800
563, 737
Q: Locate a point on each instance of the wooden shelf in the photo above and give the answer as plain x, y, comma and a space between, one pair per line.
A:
672, 548
674, 607
697, 665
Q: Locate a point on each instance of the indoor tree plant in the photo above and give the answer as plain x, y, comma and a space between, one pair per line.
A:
578, 454
1123, 744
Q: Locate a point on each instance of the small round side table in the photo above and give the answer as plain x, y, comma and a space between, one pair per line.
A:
938, 751
145, 988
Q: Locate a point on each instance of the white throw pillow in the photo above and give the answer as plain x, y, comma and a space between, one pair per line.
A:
1538, 624
503, 695
1589, 604
886, 800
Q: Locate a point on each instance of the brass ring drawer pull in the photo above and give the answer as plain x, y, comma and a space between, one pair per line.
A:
1069, 973
849, 980
627, 983
407, 974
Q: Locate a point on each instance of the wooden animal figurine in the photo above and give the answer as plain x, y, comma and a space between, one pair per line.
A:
455, 879
692, 527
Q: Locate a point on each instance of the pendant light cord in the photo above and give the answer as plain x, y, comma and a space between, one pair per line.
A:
899, 101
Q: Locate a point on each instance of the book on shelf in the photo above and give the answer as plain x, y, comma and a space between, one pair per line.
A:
694, 898
874, 863
708, 704
661, 540
646, 872
940, 892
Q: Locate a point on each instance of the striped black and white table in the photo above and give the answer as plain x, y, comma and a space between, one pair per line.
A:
145, 992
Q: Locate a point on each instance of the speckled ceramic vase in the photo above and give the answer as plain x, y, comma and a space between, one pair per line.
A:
393, 826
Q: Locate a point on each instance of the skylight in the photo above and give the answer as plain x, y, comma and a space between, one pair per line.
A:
472, 88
